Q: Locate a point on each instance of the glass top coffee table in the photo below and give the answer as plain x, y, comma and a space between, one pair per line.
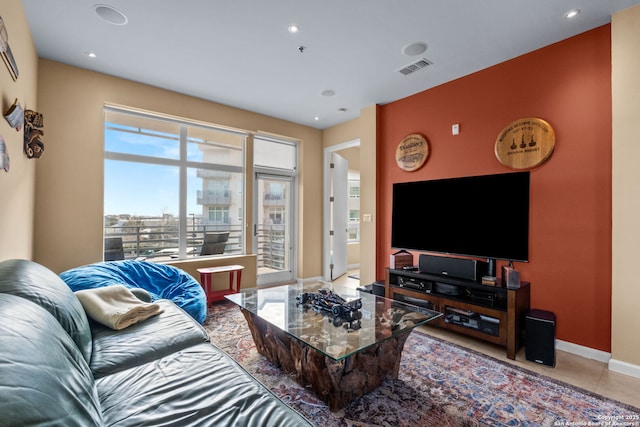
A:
343, 352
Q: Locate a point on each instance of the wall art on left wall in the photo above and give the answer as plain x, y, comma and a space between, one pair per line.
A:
15, 116
33, 124
4, 155
5, 52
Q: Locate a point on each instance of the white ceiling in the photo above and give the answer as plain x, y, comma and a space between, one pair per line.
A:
239, 52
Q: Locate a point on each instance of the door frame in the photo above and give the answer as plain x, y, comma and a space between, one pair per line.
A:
326, 205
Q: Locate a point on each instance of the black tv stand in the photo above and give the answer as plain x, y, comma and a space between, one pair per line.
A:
491, 313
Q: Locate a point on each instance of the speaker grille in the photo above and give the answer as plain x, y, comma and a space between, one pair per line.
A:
540, 337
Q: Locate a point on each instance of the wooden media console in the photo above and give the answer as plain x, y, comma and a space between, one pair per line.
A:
491, 313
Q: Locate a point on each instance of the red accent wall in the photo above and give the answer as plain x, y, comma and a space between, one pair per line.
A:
567, 84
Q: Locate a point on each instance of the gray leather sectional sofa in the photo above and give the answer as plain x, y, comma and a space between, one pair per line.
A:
58, 367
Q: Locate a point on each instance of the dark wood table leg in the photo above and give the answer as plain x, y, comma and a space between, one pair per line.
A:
337, 383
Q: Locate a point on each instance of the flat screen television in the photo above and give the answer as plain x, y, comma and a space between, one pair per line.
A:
478, 216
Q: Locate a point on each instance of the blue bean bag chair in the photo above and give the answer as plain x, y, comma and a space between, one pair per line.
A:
160, 281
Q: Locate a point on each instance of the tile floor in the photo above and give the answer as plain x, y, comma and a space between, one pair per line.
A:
579, 371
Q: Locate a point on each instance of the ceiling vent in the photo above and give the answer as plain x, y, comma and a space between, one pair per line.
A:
418, 65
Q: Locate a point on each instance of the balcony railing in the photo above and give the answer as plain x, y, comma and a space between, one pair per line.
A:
219, 198
162, 241
271, 247
273, 199
213, 174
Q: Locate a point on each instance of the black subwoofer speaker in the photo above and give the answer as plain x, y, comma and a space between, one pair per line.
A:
462, 268
540, 337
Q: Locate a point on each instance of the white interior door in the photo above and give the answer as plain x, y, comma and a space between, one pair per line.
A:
339, 215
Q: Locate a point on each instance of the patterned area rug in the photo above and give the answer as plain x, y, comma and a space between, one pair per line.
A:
439, 384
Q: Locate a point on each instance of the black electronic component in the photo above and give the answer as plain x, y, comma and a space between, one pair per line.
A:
540, 337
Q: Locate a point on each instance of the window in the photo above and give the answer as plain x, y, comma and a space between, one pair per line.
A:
276, 215
274, 154
169, 182
218, 215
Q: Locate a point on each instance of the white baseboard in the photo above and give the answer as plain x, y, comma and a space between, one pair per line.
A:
624, 368
310, 279
601, 356
315, 279
580, 350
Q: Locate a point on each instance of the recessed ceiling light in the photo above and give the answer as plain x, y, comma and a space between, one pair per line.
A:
413, 49
110, 14
293, 29
316, 118
327, 92
91, 54
342, 110
572, 13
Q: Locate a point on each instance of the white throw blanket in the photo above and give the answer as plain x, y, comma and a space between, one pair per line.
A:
115, 306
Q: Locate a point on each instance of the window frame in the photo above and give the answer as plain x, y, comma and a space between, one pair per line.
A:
184, 165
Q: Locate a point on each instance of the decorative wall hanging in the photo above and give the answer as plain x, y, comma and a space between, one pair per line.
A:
4, 155
5, 51
33, 123
525, 143
412, 152
15, 116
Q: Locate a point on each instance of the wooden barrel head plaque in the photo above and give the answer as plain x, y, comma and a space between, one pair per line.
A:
525, 143
412, 152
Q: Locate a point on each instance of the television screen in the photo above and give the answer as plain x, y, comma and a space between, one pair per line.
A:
480, 216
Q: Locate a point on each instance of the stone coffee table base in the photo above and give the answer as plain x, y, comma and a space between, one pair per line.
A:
337, 383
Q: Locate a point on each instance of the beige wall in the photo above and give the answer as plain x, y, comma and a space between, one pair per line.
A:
625, 346
368, 130
17, 186
352, 155
69, 185
353, 254
365, 129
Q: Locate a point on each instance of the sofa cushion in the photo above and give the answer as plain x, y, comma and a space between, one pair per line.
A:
169, 331
213, 391
161, 281
37, 283
44, 379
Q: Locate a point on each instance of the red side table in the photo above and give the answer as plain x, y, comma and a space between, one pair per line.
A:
235, 271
